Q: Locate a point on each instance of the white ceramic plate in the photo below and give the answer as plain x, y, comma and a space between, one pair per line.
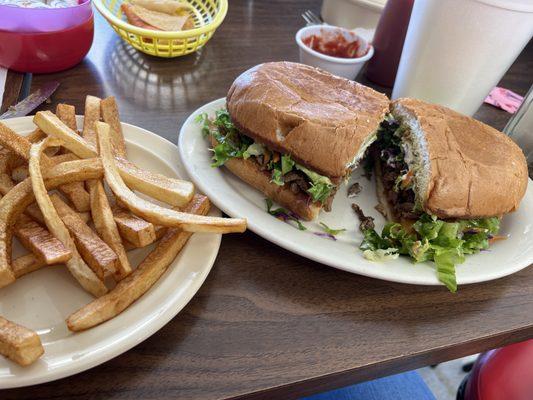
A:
43, 299
239, 199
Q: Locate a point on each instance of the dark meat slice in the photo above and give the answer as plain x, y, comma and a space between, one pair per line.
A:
365, 222
329, 201
294, 188
298, 178
402, 201
354, 190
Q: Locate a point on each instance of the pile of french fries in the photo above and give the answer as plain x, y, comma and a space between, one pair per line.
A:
55, 202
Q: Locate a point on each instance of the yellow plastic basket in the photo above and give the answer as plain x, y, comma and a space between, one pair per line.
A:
208, 15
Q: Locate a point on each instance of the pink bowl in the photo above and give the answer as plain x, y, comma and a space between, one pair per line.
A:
42, 40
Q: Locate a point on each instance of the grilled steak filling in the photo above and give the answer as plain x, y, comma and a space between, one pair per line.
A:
396, 177
281, 168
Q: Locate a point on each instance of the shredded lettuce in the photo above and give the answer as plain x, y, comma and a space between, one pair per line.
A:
277, 177
255, 149
381, 254
445, 243
231, 144
287, 164
284, 215
321, 186
331, 231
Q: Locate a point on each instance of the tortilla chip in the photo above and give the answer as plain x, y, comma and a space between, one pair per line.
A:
134, 19
165, 22
173, 7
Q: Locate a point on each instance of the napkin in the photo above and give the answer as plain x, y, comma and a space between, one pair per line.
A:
504, 99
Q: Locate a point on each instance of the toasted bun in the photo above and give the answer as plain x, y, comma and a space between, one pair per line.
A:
323, 121
464, 168
250, 172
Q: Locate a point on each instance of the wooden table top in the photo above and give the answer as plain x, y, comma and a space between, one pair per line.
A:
267, 323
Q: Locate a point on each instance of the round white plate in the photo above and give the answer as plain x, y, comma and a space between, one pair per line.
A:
43, 299
236, 198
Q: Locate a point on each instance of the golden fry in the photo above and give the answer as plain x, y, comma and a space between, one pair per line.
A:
135, 230
18, 343
107, 228
96, 253
26, 264
152, 212
13, 204
77, 267
110, 116
172, 191
140, 280
90, 118
40, 242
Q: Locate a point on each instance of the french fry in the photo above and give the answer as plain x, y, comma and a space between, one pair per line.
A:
96, 253
74, 191
110, 116
36, 136
18, 343
40, 242
16, 143
106, 227
77, 195
35, 213
135, 230
13, 204
61, 158
67, 114
172, 191
100, 208
77, 267
6, 184
26, 264
90, 118
18, 174
141, 280
152, 212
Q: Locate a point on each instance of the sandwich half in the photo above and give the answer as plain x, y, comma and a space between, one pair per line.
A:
433, 160
444, 180
295, 132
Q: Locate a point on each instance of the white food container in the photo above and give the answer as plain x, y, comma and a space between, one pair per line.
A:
352, 14
345, 67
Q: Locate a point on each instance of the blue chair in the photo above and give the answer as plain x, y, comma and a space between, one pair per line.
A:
406, 386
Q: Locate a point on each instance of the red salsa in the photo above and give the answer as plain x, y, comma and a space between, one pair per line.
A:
334, 46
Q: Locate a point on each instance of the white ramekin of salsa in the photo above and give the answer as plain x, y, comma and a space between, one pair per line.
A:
336, 50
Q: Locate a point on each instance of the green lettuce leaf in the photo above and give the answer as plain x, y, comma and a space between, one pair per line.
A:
331, 231
381, 254
321, 186
287, 164
203, 119
277, 177
255, 149
284, 215
445, 243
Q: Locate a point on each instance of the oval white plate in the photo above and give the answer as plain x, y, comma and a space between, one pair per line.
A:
236, 198
43, 299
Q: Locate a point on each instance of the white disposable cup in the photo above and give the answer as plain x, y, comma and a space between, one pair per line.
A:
456, 51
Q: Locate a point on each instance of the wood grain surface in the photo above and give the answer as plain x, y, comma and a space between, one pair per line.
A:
268, 324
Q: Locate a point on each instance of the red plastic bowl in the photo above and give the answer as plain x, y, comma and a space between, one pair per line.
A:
41, 40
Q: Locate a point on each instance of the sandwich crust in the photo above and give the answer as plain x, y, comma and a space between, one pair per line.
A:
319, 119
251, 173
474, 170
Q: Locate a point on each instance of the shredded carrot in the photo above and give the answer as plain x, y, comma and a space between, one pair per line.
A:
496, 238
